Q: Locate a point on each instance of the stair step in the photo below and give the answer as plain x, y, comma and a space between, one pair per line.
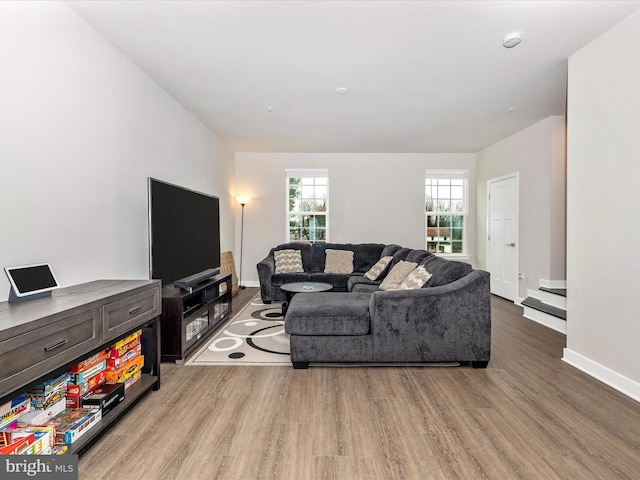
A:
556, 291
543, 307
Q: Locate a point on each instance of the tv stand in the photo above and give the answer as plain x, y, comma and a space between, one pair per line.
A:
191, 315
188, 283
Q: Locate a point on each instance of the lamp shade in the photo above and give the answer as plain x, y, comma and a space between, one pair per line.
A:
243, 200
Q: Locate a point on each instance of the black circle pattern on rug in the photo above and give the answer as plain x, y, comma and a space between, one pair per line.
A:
268, 314
251, 344
268, 335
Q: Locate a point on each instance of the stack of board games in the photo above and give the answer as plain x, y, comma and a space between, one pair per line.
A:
47, 400
15, 440
53, 415
84, 377
12, 410
125, 360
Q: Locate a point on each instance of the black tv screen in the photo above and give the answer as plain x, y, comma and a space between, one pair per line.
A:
184, 232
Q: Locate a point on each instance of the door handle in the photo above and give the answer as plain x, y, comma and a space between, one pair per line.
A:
512, 244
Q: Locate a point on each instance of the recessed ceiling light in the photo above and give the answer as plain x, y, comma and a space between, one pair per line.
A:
512, 40
342, 90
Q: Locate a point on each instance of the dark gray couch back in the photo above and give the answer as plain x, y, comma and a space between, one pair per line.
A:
444, 271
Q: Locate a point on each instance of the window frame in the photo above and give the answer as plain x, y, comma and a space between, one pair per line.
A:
449, 174
306, 173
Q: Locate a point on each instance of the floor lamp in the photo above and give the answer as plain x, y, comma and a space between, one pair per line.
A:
242, 201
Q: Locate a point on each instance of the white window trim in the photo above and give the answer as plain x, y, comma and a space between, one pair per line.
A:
306, 173
459, 174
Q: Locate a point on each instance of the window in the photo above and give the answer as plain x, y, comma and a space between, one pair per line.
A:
307, 205
446, 211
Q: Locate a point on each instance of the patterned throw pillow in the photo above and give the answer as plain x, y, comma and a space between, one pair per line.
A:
288, 261
374, 272
397, 274
338, 261
416, 279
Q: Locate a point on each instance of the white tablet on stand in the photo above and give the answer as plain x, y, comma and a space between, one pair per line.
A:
29, 282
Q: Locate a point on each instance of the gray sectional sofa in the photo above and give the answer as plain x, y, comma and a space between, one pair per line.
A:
446, 320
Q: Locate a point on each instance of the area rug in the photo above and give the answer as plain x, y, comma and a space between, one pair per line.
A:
254, 336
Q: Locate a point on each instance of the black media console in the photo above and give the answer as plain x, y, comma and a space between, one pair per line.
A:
190, 316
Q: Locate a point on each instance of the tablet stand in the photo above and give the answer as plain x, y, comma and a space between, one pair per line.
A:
13, 298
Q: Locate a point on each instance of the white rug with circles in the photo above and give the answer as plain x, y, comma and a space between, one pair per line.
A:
254, 336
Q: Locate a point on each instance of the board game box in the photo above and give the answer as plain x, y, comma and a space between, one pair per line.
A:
105, 397
126, 371
72, 423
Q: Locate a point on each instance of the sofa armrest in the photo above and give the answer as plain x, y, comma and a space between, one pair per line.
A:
449, 323
266, 269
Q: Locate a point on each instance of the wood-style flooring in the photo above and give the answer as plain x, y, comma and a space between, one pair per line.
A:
527, 416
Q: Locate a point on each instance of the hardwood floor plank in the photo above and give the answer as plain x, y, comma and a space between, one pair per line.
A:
527, 416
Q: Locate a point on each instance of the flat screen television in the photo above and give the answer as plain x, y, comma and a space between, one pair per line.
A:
184, 233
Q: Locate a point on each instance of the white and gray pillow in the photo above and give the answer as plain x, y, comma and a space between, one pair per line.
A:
338, 261
374, 272
416, 279
397, 274
288, 261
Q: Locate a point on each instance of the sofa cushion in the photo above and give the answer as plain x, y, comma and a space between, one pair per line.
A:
365, 288
399, 255
282, 278
444, 271
288, 261
378, 269
417, 256
360, 280
338, 261
416, 279
389, 250
397, 274
338, 280
328, 313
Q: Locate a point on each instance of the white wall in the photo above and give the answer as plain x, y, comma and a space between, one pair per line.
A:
603, 324
372, 198
538, 154
81, 129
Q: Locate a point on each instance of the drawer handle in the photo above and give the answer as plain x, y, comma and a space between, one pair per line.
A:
133, 311
56, 345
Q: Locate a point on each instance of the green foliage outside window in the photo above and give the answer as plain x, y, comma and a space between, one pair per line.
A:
307, 209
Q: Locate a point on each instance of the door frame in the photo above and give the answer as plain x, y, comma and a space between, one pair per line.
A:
516, 177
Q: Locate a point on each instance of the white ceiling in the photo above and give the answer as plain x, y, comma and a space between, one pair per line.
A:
423, 76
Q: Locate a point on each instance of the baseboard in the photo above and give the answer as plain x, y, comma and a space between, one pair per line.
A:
552, 283
251, 283
549, 321
607, 376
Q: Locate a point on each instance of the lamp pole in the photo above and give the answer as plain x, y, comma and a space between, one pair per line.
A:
241, 243
242, 201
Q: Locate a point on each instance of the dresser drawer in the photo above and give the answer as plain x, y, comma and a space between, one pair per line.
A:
24, 358
124, 315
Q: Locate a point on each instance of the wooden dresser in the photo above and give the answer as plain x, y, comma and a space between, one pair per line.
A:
43, 338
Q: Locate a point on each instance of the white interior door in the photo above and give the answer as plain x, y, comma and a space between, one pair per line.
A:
503, 236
